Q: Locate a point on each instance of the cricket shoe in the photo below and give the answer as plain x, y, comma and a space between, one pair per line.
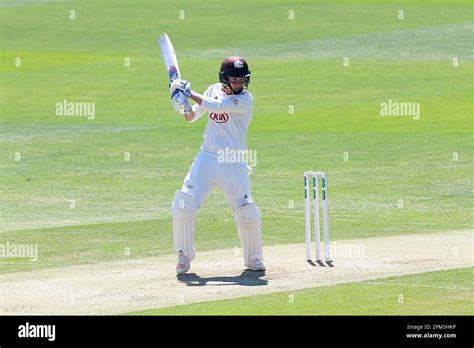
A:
183, 263
257, 265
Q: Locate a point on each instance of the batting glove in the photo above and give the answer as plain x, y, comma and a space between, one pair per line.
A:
181, 85
181, 103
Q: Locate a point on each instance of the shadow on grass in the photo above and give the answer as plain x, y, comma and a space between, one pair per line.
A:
247, 278
320, 263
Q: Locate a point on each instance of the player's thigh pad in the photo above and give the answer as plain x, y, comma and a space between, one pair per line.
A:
184, 211
249, 225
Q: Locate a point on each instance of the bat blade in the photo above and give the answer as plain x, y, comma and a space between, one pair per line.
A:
169, 57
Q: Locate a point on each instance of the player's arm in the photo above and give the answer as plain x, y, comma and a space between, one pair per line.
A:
193, 113
196, 112
189, 116
196, 97
232, 104
190, 113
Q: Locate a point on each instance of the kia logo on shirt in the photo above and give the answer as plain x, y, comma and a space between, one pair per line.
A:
219, 118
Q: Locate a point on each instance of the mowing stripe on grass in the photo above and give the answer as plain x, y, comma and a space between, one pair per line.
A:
447, 287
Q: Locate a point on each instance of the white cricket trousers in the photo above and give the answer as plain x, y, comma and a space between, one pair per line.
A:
209, 170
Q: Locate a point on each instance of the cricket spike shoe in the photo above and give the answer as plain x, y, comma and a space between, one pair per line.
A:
257, 265
183, 263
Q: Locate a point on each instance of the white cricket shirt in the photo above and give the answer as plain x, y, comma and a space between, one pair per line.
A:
228, 119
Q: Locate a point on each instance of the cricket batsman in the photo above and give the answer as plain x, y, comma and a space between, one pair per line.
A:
228, 106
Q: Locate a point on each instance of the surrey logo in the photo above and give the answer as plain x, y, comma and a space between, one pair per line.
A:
219, 118
238, 64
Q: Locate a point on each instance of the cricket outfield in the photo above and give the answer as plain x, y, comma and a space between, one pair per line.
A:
377, 94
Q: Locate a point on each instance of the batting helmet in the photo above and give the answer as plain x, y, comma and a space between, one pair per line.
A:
234, 67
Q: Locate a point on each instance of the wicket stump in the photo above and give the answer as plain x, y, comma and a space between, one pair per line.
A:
307, 207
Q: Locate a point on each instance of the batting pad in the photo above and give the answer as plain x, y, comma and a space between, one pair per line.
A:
184, 212
249, 226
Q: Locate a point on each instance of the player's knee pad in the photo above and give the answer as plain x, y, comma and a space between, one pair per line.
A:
183, 204
248, 216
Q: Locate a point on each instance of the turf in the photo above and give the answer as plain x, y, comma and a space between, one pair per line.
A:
89, 190
434, 293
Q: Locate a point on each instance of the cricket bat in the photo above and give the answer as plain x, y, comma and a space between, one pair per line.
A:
172, 68
169, 57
